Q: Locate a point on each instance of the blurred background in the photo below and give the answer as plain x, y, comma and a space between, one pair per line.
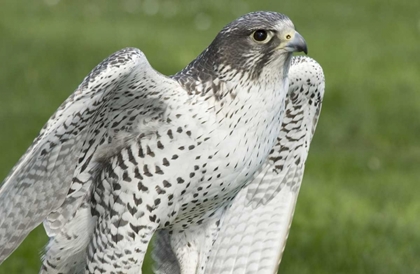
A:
358, 209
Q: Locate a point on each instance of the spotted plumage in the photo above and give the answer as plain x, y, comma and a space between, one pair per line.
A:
251, 233
132, 152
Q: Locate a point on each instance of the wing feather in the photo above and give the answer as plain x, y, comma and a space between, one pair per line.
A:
164, 258
46, 182
254, 229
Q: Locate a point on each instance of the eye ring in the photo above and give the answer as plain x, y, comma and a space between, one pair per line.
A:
261, 36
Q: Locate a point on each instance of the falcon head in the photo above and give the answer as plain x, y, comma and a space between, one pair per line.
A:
258, 45
255, 41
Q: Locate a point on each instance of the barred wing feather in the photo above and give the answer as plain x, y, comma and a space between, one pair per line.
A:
46, 182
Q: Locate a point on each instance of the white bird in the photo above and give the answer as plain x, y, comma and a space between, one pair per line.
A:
132, 152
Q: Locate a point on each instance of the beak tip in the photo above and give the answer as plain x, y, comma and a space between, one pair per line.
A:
298, 44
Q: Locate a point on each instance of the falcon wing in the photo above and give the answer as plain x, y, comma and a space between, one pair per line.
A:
110, 99
254, 229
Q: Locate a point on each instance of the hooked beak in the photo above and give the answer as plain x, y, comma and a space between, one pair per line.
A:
297, 44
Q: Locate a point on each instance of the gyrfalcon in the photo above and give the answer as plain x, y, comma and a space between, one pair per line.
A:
132, 152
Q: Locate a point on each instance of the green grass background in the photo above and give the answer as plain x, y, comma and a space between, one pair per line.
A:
359, 207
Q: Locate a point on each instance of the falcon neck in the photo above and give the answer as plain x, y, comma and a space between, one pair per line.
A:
209, 75
199, 71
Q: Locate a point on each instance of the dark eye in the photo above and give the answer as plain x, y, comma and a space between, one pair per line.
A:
260, 35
